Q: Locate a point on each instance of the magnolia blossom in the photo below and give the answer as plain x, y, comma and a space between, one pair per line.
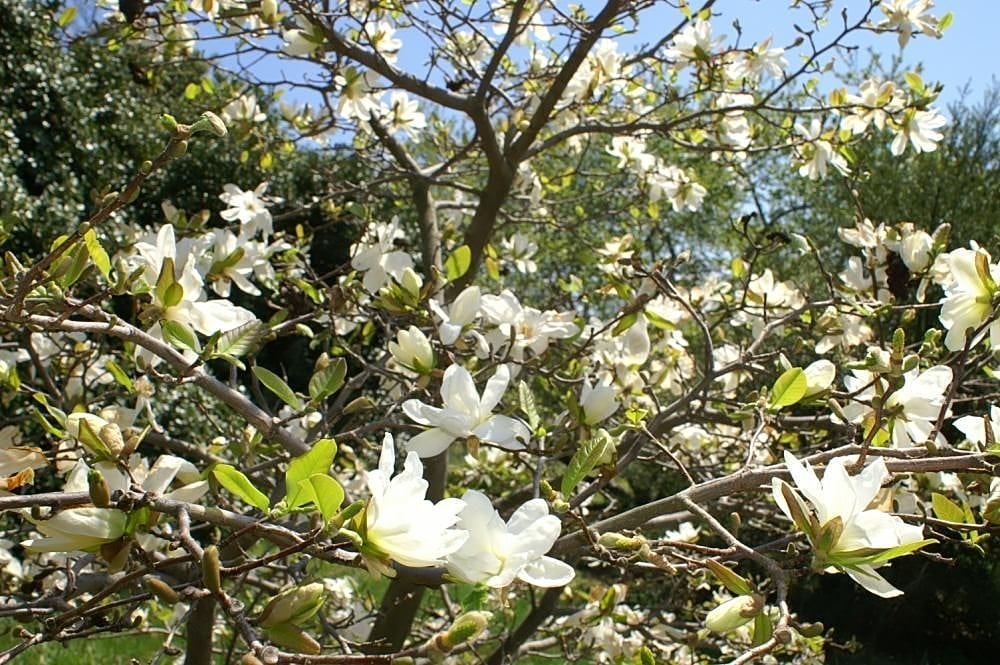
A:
497, 552
463, 310
693, 43
840, 503
525, 328
249, 207
817, 154
875, 102
15, 458
819, 376
465, 414
908, 17
243, 109
400, 522
920, 129
77, 529
377, 257
968, 301
302, 41
598, 403
168, 264
413, 349
912, 410
761, 60
519, 248
974, 427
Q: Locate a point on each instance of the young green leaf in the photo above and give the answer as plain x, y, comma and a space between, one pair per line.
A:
790, 387
329, 494
946, 509
458, 263
277, 385
590, 453
241, 340
316, 461
328, 380
180, 335
736, 583
528, 407
236, 482
762, 629
97, 253
121, 378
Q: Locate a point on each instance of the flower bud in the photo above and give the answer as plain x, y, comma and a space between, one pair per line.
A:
250, 659
161, 589
100, 493
617, 541
269, 11
413, 349
466, 628
211, 123
169, 122
598, 403
733, 613
211, 573
294, 605
177, 148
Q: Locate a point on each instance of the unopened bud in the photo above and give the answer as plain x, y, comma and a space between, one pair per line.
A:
100, 493
161, 589
294, 605
177, 148
466, 628
211, 573
269, 11
169, 122
250, 659
209, 122
734, 613
111, 435
810, 629
618, 541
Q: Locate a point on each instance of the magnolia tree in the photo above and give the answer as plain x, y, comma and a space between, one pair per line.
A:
483, 466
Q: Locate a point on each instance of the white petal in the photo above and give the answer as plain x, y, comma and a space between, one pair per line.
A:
547, 572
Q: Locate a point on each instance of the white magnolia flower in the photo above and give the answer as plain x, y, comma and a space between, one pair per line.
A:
376, 255
77, 529
817, 154
840, 509
968, 301
302, 41
243, 109
693, 43
912, 410
15, 458
497, 552
400, 522
920, 129
463, 310
974, 427
525, 328
908, 17
402, 114
761, 60
250, 208
465, 414
519, 249
875, 102
819, 376
227, 259
598, 402
413, 349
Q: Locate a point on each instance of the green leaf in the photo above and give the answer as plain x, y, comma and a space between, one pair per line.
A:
76, 267
120, 377
97, 253
945, 21
458, 263
192, 90
315, 462
762, 629
180, 334
946, 509
591, 453
277, 385
328, 380
736, 583
790, 387
528, 406
624, 323
329, 494
914, 81
241, 340
236, 482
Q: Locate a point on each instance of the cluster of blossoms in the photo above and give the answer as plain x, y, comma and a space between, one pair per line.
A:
466, 535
